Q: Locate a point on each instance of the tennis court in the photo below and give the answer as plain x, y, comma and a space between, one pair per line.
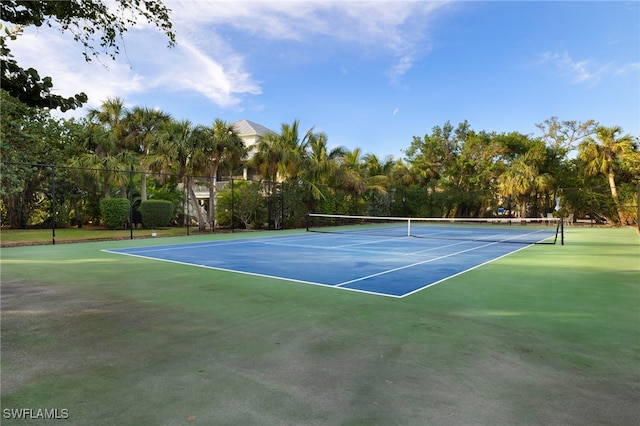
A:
545, 335
377, 258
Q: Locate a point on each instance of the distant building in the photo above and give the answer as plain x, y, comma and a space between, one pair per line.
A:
250, 133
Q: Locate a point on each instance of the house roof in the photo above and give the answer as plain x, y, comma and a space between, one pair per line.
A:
249, 128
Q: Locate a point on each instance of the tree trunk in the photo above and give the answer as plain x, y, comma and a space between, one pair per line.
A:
523, 207
143, 186
76, 210
614, 195
107, 189
212, 203
198, 209
213, 188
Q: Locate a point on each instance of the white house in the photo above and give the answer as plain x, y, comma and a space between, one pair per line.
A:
250, 133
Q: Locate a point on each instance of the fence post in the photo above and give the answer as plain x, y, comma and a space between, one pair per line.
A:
282, 188
53, 204
232, 207
131, 203
187, 191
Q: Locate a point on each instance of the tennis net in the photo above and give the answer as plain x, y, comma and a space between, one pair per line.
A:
502, 230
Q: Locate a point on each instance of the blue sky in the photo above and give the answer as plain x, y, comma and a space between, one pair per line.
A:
371, 75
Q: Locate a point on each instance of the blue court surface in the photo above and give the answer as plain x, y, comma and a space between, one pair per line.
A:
394, 267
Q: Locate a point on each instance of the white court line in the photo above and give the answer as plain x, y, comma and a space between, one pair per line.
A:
439, 247
173, 246
461, 272
255, 274
412, 265
330, 247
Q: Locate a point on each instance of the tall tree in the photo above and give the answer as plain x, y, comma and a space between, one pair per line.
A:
602, 155
108, 155
321, 164
562, 136
522, 178
281, 156
352, 176
267, 156
29, 138
141, 124
215, 146
173, 150
477, 167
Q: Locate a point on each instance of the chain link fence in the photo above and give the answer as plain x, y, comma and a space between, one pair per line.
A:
60, 197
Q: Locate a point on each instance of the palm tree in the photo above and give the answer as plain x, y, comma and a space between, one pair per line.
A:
108, 157
215, 146
352, 176
378, 173
282, 155
292, 150
601, 155
173, 149
523, 179
142, 123
321, 163
267, 156
111, 116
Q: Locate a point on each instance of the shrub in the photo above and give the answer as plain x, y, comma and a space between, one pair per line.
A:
156, 213
114, 211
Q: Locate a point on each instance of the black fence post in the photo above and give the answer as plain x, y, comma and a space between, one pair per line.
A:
232, 206
53, 205
131, 203
187, 216
282, 188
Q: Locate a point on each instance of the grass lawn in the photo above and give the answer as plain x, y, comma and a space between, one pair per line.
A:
19, 237
549, 335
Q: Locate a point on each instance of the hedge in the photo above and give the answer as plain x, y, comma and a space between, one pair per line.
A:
156, 213
114, 211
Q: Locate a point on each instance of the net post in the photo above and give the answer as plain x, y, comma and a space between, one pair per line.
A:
306, 221
408, 227
562, 231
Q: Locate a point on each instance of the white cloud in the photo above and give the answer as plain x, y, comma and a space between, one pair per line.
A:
55, 55
205, 63
578, 71
586, 71
190, 68
394, 29
627, 69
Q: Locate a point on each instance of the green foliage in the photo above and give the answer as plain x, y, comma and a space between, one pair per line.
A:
25, 85
84, 20
28, 137
115, 211
244, 204
156, 213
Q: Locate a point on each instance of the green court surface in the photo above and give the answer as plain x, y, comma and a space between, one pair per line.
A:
548, 335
